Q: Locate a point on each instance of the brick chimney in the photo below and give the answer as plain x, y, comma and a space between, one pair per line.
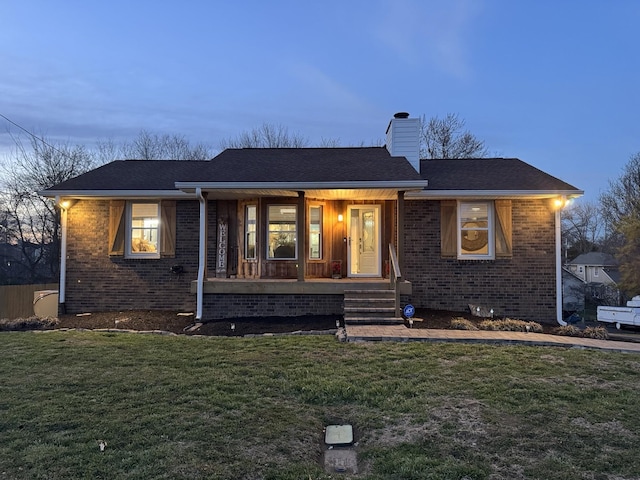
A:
403, 138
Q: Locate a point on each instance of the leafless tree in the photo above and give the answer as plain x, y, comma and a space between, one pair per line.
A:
583, 228
620, 205
623, 196
31, 222
266, 136
152, 146
447, 138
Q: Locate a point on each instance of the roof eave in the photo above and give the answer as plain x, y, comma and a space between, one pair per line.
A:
102, 194
402, 185
452, 194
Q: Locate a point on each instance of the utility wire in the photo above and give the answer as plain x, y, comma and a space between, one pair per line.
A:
33, 135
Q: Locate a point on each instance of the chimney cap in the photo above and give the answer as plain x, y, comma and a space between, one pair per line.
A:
401, 115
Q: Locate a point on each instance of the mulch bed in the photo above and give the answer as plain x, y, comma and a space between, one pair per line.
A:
173, 322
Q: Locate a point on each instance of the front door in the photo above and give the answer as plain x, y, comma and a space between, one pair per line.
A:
364, 253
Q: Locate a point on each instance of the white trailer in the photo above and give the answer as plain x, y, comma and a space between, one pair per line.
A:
629, 315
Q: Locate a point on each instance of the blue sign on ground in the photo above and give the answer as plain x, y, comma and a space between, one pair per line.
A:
409, 311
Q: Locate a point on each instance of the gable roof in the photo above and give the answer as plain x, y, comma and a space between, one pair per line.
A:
325, 165
348, 172
597, 259
491, 177
273, 171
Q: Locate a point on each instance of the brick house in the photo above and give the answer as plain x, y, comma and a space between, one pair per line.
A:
262, 232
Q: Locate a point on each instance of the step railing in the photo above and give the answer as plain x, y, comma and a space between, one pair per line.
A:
395, 277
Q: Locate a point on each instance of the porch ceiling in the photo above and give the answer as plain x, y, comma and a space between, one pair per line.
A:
323, 194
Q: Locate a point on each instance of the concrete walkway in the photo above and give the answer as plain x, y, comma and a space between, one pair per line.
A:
400, 333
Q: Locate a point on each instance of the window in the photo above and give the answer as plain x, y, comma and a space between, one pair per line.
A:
250, 232
282, 241
144, 228
596, 271
315, 233
475, 230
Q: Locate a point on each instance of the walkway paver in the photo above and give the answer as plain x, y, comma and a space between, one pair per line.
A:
400, 333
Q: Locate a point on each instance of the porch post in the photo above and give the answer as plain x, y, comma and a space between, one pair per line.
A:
400, 231
202, 251
301, 232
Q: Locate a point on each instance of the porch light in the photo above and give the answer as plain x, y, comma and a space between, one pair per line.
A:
340, 217
65, 203
559, 203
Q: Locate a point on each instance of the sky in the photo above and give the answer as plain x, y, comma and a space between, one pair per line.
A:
552, 82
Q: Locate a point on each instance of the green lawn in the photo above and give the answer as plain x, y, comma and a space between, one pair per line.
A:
233, 408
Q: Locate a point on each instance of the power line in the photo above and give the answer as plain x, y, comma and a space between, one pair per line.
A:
33, 135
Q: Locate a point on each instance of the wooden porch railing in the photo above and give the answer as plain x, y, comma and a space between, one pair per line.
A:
395, 277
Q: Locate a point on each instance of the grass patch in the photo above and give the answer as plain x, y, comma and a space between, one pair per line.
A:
184, 407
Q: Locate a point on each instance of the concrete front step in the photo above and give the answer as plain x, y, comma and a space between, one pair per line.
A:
370, 307
370, 293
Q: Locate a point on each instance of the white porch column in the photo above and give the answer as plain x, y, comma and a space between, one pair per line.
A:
400, 231
202, 252
302, 235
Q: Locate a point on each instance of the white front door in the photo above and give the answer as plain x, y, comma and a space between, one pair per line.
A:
364, 253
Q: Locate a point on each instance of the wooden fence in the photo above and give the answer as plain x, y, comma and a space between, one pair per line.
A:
16, 301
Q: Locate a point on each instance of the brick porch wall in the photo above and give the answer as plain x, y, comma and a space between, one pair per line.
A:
520, 287
233, 306
98, 282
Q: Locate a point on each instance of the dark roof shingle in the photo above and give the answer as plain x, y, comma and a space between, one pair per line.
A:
497, 174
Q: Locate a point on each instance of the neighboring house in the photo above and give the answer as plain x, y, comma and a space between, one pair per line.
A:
573, 292
259, 232
599, 271
595, 267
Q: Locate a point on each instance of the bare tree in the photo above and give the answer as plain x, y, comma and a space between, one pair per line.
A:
583, 228
266, 136
446, 138
620, 205
152, 146
31, 222
623, 197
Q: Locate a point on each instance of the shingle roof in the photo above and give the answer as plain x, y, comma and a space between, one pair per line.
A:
595, 259
305, 165
497, 174
322, 165
247, 165
133, 175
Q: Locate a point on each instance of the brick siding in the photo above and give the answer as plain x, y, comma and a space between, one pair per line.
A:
522, 286
98, 282
230, 306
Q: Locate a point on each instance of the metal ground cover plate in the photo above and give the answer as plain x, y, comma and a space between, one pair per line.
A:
338, 435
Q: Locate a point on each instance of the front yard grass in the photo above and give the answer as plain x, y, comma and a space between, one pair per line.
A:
206, 407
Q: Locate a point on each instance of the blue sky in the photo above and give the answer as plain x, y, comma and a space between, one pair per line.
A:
552, 82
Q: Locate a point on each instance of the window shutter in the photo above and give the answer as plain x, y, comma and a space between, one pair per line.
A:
448, 223
116, 227
168, 228
504, 244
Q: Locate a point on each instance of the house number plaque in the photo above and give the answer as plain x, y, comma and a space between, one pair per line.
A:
221, 263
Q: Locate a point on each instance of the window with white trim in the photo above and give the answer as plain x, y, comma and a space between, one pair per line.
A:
315, 232
282, 241
250, 231
475, 231
143, 229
